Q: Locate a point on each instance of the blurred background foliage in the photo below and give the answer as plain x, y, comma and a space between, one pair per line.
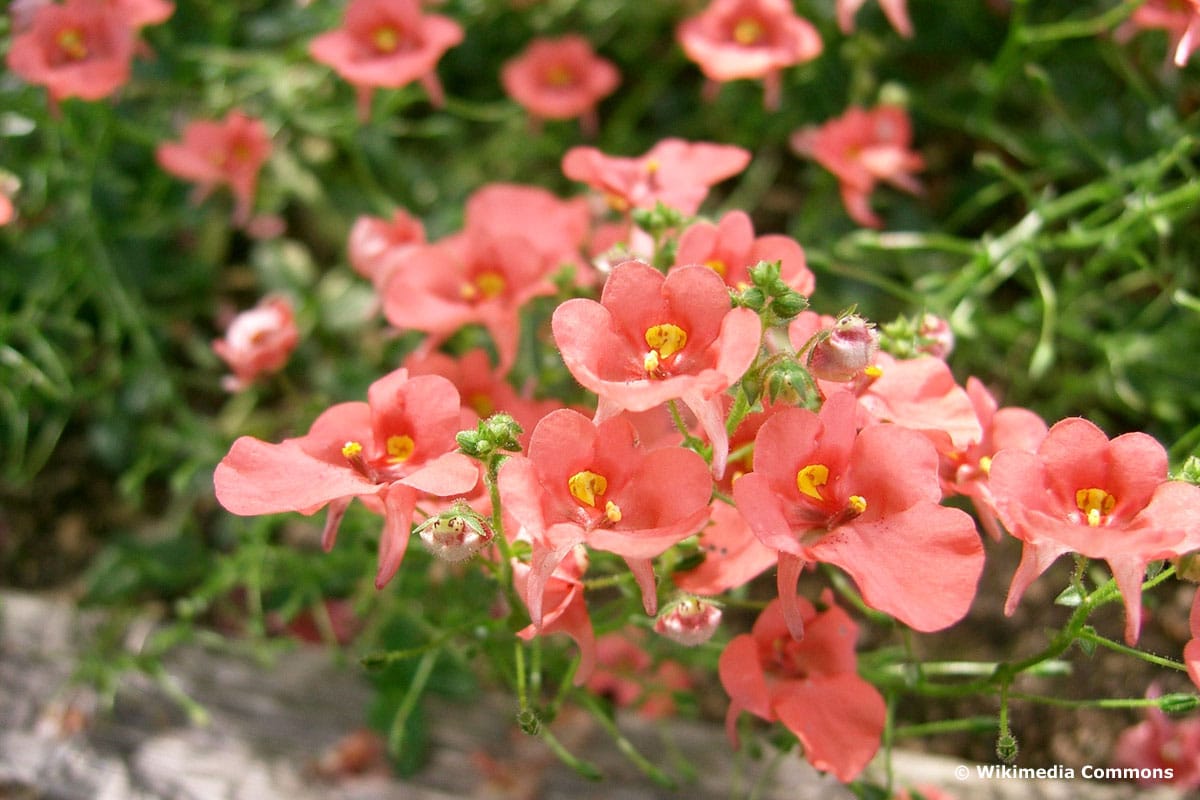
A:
1058, 233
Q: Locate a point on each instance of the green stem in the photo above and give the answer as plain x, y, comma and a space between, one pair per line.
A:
1091, 636
396, 734
584, 768
1111, 702
626, 747
1079, 29
967, 724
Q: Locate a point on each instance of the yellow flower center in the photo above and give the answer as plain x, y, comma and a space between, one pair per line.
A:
385, 39
652, 166
485, 286
1095, 504
811, 477
585, 485
612, 511
748, 31
399, 448
71, 42
665, 341
857, 504
873, 371
559, 76
352, 450
717, 265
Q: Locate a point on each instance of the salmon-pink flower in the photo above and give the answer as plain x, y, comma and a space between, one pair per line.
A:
733, 39
811, 686
689, 621
1179, 18
674, 172
594, 484
1082, 493
229, 152
7, 211
374, 242
965, 470
652, 339
561, 595
730, 248
140, 13
389, 451
560, 78
895, 10
866, 502
627, 675
863, 147
387, 44
258, 341
80, 48
1191, 650
1163, 746
553, 228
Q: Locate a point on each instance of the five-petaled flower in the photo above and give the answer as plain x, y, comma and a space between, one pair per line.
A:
733, 39
867, 502
1082, 493
387, 44
80, 48
584, 483
652, 339
228, 152
674, 172
730, 248
811, 686
863, 147
560, 78
387, 451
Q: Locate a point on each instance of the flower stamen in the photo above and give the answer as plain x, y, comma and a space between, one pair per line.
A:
585, 485
811, 477
1095, 504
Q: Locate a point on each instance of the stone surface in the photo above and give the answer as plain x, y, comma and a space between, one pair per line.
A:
270, 731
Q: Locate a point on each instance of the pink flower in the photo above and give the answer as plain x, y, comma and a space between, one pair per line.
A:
690, 621
628, 676
811, 686
652, 339
78, 49
566, 612
1082, 493
734, 39
560, 78
258, 341
230, 152
1191, 650
1161, 744
7, 210
866, 502
730, 248
388, 451
674, 172
1179, 18
965, 470
374, 242
896, 11
593, 484
862, 148
389, 44
140, 13
553, 228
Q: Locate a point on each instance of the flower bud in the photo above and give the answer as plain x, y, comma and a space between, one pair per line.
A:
935, 337
455, 534
690, 621
845, 350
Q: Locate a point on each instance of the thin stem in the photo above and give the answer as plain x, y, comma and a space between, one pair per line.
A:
396, 734
1110, 702
1089, 635
626, 747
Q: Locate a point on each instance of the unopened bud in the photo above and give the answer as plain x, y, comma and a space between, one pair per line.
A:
935, 337
689, 622
1006, 748
455, 534
845, 351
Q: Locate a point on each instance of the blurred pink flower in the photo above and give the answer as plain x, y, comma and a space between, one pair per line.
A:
81, 48
626, 675
896, 11
139, 13
734, 39
560, 78
1179, 18
375, 242
387, 44
230, 152
565, 609
862, 148
7, 211
674, 172
1161, 744
258, 341
730, 248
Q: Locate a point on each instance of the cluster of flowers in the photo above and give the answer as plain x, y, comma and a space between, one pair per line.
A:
725, 413
679, 446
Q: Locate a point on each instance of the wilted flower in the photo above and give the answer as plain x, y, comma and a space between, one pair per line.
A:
690, 621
